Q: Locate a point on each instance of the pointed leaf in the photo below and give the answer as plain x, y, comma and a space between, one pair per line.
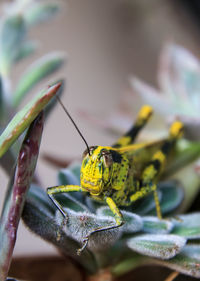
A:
24, 117
163, 246
152, 97
179, 76
40, 12
35, 73
189, 226
12, 34
26, 49
15, 199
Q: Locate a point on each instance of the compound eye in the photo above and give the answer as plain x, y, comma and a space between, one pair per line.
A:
86, 152
107, 159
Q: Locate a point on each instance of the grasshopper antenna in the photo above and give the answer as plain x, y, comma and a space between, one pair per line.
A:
64, 108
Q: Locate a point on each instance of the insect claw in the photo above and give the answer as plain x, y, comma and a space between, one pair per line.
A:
85, 242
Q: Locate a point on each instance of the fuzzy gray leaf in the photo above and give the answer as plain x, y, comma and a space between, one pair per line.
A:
159, 246
186, 262
133, 222
42, 223
79, 225
189, 227
156, 226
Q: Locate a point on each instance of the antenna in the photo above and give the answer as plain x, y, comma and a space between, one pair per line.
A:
64, 108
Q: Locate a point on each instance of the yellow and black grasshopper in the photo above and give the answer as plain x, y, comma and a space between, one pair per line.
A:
120, 174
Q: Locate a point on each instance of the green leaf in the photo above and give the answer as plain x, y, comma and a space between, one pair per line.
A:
70, 175
12, 34
188, 227
40, 12
67, 177
172, 197
26, 49
179, 77
133, 222
156, 226
187, 152
35, 73
38, 195
14, 201
24, 117
163, 246
70, 201
146, 204
187, 262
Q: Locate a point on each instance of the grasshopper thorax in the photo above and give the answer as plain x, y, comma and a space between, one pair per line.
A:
97, 168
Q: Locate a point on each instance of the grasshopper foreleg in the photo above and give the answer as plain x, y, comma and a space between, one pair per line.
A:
118, 218
51, 191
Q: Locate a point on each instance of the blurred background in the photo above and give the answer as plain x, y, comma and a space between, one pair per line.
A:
105, 42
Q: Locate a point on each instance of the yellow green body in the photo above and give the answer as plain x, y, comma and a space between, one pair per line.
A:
120, 174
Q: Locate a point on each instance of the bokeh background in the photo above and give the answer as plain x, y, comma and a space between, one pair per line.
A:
105, 43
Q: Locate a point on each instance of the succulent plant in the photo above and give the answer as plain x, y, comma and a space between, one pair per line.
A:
143, 239
176, 98
179, 82
18, 157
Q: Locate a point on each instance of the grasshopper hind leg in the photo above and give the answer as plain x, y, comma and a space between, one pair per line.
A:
141, 120
155, 167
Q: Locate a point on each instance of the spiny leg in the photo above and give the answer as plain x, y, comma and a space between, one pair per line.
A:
156, 165
118, 218
141, 120
51, 191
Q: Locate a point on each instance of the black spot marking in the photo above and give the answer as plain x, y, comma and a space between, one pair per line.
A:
133, 131
166, 147
117, 158
156, 163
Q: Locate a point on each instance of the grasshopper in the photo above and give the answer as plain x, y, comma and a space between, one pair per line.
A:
120, 174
